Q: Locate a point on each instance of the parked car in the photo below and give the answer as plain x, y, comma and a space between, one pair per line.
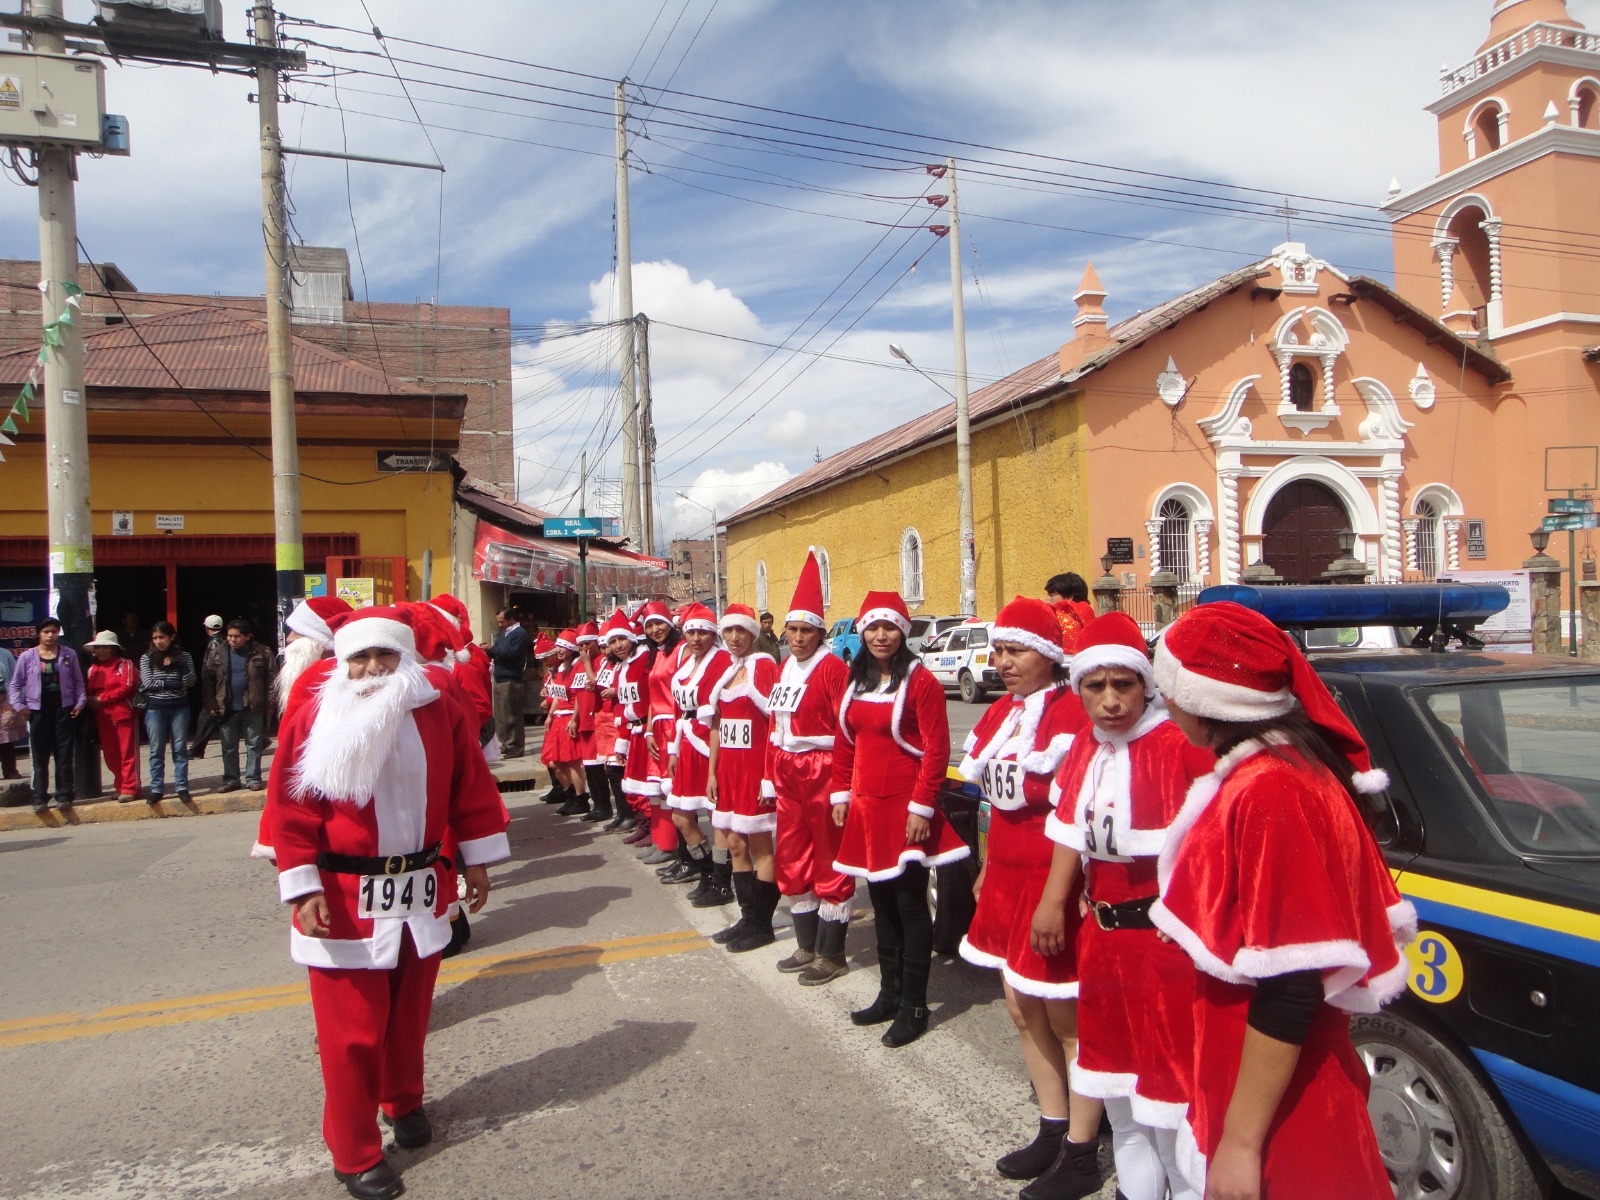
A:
959, 660
843, 640
926, 630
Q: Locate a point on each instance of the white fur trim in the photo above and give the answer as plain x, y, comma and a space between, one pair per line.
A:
906, 856
1191, 1162
1157, 1114
374, 633
1062, 833
430, 934
1015, 734
806, 902
1101, 1085
699, 624
883, 614
740, 823
839, 798
641, 787
1111, 768
1034, 987
979, 958
1371, 783
1214, 698
768, 792
1054, 651
297, 882
476, 852
899, 711
836, 911
804, 616
306, 623
261, 851
1113, 654
1045, 761
925, 811
690, 803
739, 621
454, 620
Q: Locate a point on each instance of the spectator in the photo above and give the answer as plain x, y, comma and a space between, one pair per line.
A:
236, 687
167, 674
111, 683
1069, 596
48, 683
206, 727
132, 637
509, 652
767, 641
13, 721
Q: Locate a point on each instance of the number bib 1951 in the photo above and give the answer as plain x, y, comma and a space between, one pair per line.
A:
398, 895
628, 693
737, 735
1002, 784
686, 698
786, 698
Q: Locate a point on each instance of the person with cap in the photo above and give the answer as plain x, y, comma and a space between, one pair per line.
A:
799, 773
236, 687
369, 777
205, 726
617, 724
583, 690
888, 769
560, 730
745, 816
48, 685
1012, 754
1273, 884
667, 652
1117, 792
694, 686
110, 685
166, 674
509, 653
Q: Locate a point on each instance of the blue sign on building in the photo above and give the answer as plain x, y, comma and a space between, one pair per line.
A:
572, 527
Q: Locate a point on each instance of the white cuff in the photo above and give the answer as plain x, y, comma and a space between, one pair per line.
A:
920, 810
478, 851
839, 798
299, 881
768, 792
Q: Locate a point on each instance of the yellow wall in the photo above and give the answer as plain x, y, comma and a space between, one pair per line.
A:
1029, 518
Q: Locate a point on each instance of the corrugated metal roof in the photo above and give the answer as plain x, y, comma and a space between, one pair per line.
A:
519, 517
209, 350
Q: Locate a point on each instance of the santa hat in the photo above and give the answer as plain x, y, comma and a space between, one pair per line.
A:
884, 606
588, 632
679, 613
1229, 663
567, 639
655, 610
544, 646
740, 616
385, 627
436, 638
697, 616
1112, 639
618, 625
310, 618
806, 607
1030, 623
454, 610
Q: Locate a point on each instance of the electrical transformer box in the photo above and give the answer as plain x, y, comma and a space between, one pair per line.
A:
51, 100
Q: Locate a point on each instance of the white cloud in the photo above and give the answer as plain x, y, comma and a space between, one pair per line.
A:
722, 490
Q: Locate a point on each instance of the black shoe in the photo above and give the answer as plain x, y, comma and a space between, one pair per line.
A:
910, 1023
1034, 1159
758, 929
558, 794
375, 1183
1074, 1174
716, 888
576, 806
460, 935
887, 1005
234, 787
39, 809
619, 820
682, 872
185, 798
412, 1131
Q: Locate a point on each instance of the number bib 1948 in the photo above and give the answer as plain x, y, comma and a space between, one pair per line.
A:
398, 895
686, 698
628, 693
1002, 784
786, 698
737, 735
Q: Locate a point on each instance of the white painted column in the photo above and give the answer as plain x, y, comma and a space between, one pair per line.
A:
1152, 530
1390, 566
1202, 548
1228, 493
1451, 527
1445, 251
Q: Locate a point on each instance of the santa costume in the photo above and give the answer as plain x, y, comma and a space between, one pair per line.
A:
584, 693
633, 712
694, 685
112, 685
363, 790
1273, 885
558, 735
799, 775
663, 724
889, 765
1116, 794
475, 672
612, 731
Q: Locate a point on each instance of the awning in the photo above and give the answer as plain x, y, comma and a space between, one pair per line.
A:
551, 565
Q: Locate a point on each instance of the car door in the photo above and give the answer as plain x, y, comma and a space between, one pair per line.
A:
947, 663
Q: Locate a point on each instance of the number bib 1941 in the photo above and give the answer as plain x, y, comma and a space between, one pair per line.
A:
737, 735
401, 895
1002, 784
786, 698
686, 698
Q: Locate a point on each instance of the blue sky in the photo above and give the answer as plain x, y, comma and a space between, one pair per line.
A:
1322, 100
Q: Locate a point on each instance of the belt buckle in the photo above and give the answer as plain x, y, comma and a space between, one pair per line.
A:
395, 864
1102, 915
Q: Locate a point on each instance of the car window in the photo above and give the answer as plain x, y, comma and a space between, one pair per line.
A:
919, 627
938, 644
977, 637
1528, 749
958, 640
840, 628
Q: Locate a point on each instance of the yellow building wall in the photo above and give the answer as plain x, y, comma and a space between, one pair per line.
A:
1030, 511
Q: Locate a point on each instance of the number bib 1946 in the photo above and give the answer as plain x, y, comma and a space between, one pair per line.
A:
786, 698
1002, 784
398, 895
737, 735
686, 698
628, 693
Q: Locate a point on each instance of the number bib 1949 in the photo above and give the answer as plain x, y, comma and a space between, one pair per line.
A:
398, 895
786, 698
737, 735
628, 693
686, 698
1002, 784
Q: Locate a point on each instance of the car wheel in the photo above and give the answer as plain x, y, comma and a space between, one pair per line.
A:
1440, 1132
950, 900
970, 691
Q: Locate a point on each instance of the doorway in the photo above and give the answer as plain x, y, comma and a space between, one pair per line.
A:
1300, 533
248, 590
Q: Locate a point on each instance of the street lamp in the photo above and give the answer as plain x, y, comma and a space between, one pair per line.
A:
716, 555
969, 551
1540, 539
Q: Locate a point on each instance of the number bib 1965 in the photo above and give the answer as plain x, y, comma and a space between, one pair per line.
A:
686, 698
737, 735
398, 895
628, 693
786, 698
1002, 784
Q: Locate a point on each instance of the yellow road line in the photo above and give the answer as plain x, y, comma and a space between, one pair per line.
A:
60, 1027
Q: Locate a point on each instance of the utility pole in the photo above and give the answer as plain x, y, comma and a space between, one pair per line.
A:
583, 542
716, 564
631, 525
969, 557
647, 442
290, 555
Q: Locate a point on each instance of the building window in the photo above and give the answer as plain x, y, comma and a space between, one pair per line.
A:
911, 565
1302, 387
1487, 129
827, 576
1427, 539
761, 586
1175, 555
1586, 108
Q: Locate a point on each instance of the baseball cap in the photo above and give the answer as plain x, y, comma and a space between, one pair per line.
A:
213, 622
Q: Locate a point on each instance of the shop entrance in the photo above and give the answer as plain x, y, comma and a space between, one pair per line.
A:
122, 590
248, 590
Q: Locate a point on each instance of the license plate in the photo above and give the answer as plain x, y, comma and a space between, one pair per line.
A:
739, 735
786, 698
628, 693
398, 895
686, 698
1002, 784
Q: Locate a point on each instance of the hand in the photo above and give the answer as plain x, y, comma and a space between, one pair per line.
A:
672, 765
711, 791
917, 829
78, 711
1083, 905
1049, 932
572, 727
477, 893
608, 693
977, 884
840, 812
311, 915
1234, 1172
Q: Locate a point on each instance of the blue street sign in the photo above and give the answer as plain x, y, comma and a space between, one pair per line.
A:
572, 527
1583, 504
1570, 521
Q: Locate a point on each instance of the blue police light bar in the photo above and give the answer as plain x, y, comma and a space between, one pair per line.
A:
1334, 606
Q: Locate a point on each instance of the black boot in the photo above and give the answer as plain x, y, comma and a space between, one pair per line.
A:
829, 963
743, 892
1074, 1174
576, 805
911, 1020
559, 793
460, 934
758, 930
1034, 1159
624, 819
701, 888
717, 889
887, 1004
679, 858
696, 865
805, 942
599, 794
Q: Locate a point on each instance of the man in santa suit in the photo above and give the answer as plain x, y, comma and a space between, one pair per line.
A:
309, 640
371, 774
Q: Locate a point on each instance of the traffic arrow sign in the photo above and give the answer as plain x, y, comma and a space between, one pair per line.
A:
571, 527
1570, 521
1564, 505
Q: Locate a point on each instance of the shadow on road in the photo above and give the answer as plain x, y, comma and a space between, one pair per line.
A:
36, 844
513, 919
537, 869
478, 997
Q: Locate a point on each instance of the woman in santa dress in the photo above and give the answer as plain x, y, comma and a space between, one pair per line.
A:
745, 817
888, 768
641, 785
1273, 884
667, 651
585, 692
689, 757
1118, 790
1012, 755
615, 728
560, 732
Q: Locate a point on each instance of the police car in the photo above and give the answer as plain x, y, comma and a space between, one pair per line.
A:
959, 660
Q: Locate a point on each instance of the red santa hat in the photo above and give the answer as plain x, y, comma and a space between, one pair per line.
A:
544, 646
384, 627
436, 638
1229, 663
1030, 623
806, 607
1112, 639
310, 618
884, 606
567, 639
740, 616
679, 613
618, 625
655, 610
697, 616
455, 611
588, 632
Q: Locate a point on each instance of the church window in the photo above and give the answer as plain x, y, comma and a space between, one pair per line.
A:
1586, 108
1175, 556
761, 585
1302, 387
911, 565
1487, 128
1427, 538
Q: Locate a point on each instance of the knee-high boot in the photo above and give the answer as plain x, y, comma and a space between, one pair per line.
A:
805, 942
744, 892
758, 930
887, 1004
911, 1018
599, 794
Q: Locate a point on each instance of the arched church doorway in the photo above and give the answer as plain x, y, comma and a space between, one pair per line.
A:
1300, 533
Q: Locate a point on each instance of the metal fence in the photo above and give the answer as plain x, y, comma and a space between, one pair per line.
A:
1140, 604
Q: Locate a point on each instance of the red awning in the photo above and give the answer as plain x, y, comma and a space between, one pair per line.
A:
551, 565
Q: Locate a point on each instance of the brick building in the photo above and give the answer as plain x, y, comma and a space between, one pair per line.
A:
692, 576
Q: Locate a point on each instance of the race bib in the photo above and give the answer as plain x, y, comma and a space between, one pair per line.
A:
398, 895
686, 698
556, 691
786, 698
737, 735
604, 676
579, 681
628, 693
1002, 784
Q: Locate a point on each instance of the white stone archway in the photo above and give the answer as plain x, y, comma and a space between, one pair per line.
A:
1201, 520
1365, 521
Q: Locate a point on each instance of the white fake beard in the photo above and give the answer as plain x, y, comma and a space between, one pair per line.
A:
354, 732
298, 657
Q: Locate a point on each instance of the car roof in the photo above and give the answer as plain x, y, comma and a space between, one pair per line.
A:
1426, 666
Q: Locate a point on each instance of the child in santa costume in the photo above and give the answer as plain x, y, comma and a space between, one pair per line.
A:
561, 732
369, 777
745, 817
1013, 754
1119, 789
799, 776
641, 785
584, 691
694, 685
888, 768
1273, 884
667, 649
613, 730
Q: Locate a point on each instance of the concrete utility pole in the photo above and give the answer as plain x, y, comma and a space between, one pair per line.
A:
291, 555
969, 555
647, 443
632, 526
583, 542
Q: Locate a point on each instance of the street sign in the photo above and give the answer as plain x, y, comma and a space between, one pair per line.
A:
1582, 504
572, 527
1570, 521
401, 462
169, 521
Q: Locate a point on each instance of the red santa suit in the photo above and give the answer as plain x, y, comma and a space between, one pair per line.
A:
805, 721
475, 673
632, 680
740, 716
694, 686
562, 745
662, 732
608, 730
372, 976
112, 684
585, 693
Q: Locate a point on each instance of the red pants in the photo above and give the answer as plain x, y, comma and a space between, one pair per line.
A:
119, 743
371, 1026
808, 840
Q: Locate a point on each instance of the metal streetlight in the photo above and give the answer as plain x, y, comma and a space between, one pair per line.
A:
716, 554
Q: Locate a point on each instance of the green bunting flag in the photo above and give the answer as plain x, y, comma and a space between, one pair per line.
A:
8, 426
64, 319
27, 390
71, 289
20, 408
52, 336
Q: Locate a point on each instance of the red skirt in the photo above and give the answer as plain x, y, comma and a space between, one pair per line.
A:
740, 805
637, 779
605, 735
1000, 936
588, 751
874, 845
688, 790
559, 746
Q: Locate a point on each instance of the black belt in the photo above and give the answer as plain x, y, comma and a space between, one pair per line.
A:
1131, 914
393, 864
